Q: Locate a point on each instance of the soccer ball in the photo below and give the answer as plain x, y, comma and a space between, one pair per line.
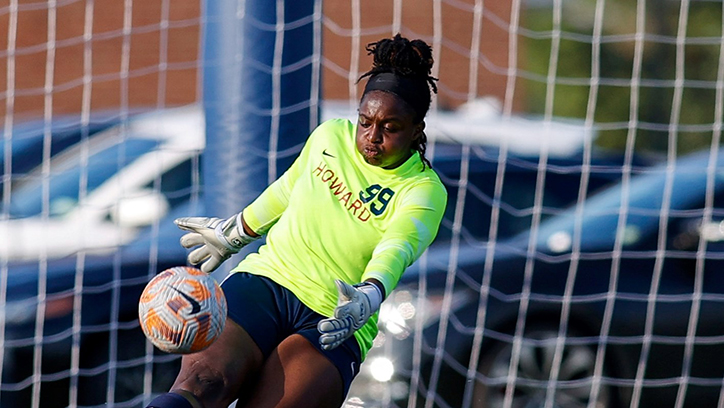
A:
182, 310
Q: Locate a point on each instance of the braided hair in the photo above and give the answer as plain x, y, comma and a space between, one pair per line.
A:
411, 61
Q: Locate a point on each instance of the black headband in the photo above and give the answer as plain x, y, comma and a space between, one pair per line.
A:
414, 91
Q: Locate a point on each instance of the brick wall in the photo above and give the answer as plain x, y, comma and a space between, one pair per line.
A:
417, 22
110, 88
146, 84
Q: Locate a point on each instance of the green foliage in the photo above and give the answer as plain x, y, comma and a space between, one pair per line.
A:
627, 105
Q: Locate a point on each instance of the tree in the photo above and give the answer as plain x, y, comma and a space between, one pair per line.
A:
656, 116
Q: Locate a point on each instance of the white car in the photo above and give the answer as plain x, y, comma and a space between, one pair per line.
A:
96, 195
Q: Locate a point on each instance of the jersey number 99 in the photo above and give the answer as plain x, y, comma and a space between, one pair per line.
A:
382, 195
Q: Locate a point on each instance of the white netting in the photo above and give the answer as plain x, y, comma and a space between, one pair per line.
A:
601, 302
84, 175
613, 301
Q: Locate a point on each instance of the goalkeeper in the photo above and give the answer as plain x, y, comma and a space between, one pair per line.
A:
359, 205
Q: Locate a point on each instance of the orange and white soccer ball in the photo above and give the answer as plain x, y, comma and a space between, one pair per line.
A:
182, 310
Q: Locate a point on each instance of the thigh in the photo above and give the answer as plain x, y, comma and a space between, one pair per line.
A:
296, 374
215, 375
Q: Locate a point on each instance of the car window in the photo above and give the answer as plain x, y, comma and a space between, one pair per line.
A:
64, 184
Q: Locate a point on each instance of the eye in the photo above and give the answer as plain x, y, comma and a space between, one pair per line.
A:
391, 128
363, 123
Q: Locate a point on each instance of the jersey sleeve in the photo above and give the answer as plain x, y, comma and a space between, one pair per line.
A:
411, 230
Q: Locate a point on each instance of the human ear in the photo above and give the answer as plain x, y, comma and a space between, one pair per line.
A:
419, 128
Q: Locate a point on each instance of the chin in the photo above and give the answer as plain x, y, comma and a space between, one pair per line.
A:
372, 160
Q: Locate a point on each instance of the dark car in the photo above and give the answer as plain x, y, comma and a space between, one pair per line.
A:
613, 302
484, 183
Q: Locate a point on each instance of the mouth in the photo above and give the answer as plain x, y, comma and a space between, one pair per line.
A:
371, 151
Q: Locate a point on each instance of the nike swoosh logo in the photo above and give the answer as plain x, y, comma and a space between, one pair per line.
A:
324, 152
195, 306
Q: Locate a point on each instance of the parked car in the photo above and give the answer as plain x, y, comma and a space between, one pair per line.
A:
610, 303
81, 235
71, 332
470, 175
123, 178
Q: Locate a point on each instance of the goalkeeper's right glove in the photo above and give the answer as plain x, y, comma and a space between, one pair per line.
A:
218, 239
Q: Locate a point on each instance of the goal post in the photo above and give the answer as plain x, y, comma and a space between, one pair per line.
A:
261, 94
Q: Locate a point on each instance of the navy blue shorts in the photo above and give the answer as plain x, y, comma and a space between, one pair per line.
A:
270, 313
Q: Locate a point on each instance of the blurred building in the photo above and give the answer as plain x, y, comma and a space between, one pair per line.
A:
59, 59
74, 55
376, 19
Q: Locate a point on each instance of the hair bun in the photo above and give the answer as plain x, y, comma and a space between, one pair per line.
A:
412, 58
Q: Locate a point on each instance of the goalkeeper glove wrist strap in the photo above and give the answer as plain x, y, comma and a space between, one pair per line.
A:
374, 294
231, 233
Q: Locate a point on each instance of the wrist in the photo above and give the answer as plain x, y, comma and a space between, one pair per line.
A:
373, 293
233, 234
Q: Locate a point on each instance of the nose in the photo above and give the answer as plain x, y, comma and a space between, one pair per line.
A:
374, 134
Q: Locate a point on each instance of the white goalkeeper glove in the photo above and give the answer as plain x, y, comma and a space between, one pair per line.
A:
355, 305
218, 239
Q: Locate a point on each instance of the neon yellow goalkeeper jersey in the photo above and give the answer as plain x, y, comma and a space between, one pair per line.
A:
333, 216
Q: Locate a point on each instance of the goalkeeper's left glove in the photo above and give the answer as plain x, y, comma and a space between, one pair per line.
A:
355, 305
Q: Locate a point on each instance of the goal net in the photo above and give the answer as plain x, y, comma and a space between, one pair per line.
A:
577, 263
539, 292
101, 143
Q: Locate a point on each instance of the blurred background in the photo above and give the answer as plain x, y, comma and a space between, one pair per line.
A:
578, 261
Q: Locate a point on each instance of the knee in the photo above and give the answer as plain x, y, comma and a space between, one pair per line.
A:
203, 389
198, 375
205, 385
174, 400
